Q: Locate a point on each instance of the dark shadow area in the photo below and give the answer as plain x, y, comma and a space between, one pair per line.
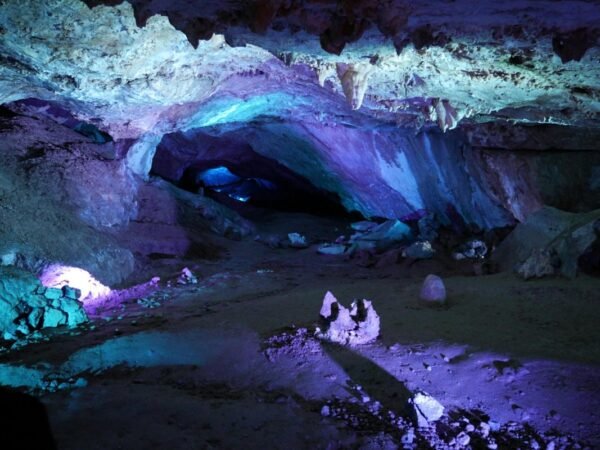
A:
24, 422
229, 171
589, 262
375, 381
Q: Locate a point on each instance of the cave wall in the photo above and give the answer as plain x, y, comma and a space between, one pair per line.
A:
478, 119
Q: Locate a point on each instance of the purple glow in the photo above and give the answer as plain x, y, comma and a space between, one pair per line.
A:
57, 276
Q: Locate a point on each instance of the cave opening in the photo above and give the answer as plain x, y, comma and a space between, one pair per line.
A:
230, 171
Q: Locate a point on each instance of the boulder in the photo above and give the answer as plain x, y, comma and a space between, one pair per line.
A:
391, 230
539, 264
357, 326
297, 240
549, 231
433, 290
427, 409
419, 250
363, 226
331, 249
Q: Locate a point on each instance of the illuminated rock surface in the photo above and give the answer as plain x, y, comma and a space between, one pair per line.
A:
27, 306
142, 83
201, 172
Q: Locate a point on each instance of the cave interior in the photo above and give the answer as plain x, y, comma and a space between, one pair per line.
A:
282, 224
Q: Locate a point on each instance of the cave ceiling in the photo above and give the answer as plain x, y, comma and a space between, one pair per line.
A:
139, 66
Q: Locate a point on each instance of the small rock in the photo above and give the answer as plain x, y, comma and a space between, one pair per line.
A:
363, 225
35, 317
331, 249
427, 408
485, 429
433, 290
409, 437
463, 439
473, 249
297, 240
419, 250
325, 412
80, 383
187, 277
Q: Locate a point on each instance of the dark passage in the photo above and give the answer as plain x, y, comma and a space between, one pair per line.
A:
231, 172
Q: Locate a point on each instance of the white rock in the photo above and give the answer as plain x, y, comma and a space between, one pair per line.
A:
428, 409
357, 326
332, 249
419, 250
297, 240
433, 289
463, 439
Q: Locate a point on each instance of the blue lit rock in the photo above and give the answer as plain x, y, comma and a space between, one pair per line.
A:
419, 250
433, 290
24, 308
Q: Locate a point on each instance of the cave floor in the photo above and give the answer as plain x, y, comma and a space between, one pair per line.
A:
226, 363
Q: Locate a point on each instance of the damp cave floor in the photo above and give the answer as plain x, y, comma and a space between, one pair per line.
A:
202, 370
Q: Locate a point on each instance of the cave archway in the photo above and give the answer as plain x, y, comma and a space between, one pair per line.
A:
229, 170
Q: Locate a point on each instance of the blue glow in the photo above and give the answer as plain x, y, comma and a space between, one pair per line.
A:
265, 184
217, 176
239, 198
232, 109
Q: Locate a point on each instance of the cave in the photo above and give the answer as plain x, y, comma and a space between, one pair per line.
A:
299, 224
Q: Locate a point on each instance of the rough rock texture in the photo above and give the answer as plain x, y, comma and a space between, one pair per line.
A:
419, 250
433, 290
356, 326
546, 232
287, 98
480, 58
427, 409
60, 201
539, 264
26, 306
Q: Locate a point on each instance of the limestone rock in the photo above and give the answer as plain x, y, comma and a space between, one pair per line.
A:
473, 249
297, 240
539, 264
433, 290
24, 307
381, 236
354, 78
359, 325
419, 250
187, 277
547, 232
427, 409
